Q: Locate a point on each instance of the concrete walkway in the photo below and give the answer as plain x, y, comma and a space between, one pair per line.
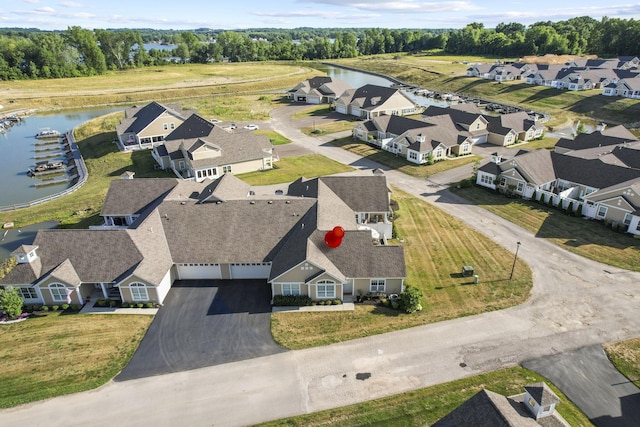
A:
575, 302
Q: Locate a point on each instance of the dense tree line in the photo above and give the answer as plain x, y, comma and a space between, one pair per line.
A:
32, 53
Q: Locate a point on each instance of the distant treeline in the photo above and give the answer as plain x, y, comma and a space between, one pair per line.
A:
27, 53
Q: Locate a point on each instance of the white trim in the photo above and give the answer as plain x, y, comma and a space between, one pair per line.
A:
139, 287
58, 286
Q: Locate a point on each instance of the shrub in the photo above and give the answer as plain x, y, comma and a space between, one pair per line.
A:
291, 300
149, 305
579, 210
112, 303
410, 299
65, 306
139, 305
395, 305
465, 183
102, 302
125, 305
570, 208
55, 307
75, 307
337, 302
45, 308
29, 308
10, 302
384, 302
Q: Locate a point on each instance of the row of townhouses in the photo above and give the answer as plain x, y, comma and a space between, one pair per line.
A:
157, 231
597, 174
190, 145
445, 132
615, 77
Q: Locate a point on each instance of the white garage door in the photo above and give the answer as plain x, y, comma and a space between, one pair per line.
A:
250, 270
342, 109
199, 271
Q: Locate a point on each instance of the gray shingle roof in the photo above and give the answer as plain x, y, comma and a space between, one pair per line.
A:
138, 118
542, 394
595, 139
132, 196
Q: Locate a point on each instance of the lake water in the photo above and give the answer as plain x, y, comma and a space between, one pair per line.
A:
357, 79
18, 148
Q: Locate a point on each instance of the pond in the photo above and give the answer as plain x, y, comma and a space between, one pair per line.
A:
358, 79
21, 150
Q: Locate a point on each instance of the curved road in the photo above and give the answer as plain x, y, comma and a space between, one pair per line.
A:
575, 302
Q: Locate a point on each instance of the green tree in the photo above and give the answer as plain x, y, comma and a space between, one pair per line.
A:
10, 302
411, 299
85, 42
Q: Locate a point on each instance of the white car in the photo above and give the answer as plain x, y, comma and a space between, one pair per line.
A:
252, 127
215, 121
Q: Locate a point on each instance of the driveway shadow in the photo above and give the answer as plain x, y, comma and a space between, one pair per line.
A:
205, 323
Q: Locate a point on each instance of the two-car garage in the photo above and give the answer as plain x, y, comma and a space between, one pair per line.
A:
195, 271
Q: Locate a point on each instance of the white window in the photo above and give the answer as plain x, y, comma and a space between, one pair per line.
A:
627, 219
139, 292
503, 181
413, 155
290, 289
165, 126
602, 211
486, 179
438, 153
58, 292
520, 187
326, 289
30, 293
226, 169
172, 125
377, 285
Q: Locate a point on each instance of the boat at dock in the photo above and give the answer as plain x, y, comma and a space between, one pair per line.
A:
48, 133
45, 168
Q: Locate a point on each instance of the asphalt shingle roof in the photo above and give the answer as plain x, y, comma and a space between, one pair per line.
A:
132, 196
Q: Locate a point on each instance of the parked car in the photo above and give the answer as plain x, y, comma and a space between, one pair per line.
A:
233, 126
252, 127
215, 121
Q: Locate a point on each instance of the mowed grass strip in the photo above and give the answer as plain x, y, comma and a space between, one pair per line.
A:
590, 239
437, 245
425, 406
104, 163
625, 356
163, 83
398, 163
60, 354
291, 168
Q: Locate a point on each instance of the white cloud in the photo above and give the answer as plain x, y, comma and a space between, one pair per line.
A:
71, 4
45, 10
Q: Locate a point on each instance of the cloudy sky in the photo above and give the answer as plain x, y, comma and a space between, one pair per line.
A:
237, 14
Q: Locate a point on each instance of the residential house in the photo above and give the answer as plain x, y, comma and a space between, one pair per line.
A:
507, 129
602, 181
199, 150
157, 231
318, 90
146, 127
371, 101
497, 72
607, 137
466, 116
419, 141
533, 408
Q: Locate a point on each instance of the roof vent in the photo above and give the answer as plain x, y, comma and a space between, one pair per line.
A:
183, 203
288, 202
270, 202
218, 202
252, 202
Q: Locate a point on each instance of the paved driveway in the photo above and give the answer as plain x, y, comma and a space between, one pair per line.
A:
205, 323
589, 379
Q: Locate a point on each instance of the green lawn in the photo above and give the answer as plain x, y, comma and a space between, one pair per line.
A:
367, 151
590, 239
274, 137
57, 354
425, 406
291, 168
437, 245
625, 355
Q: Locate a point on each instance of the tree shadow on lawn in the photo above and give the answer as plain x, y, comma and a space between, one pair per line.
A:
544, 94
600, 105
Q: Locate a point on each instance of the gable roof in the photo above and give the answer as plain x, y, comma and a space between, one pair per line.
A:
138, 118
370, 97
582, 141
542, 394
132, 196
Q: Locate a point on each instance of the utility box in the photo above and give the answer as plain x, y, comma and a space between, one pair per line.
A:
467, 271
476, 279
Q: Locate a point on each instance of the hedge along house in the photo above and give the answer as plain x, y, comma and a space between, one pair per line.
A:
146, 127
199, 150
217, 229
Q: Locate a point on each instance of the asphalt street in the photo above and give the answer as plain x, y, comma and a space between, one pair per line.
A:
575, 302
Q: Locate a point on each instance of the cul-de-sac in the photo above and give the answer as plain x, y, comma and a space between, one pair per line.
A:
315, 223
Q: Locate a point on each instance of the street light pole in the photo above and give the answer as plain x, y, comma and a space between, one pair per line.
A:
515, 258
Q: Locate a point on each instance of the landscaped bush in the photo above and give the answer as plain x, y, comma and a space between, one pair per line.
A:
291, 300
55, 307
75, 307
139, 305
337, 302
125, 305
112, 303
149, 305
102, 302
410, 299
64, 306
45, 308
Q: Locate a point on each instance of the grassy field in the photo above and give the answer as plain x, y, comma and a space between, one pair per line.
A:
625, 355
398, 163
274, 137
104, 163
291, 168
60, 354
425, 406
586, 238
448, 73
165, 83
437, 245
